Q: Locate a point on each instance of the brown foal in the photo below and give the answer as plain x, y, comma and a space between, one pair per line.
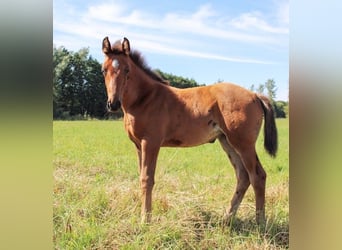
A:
158, 115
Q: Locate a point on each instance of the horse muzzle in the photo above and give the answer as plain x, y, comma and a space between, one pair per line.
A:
113, 106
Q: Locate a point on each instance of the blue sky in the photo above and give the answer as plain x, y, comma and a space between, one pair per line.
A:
245, 42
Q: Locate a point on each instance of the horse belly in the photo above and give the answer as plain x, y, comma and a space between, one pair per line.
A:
193, 136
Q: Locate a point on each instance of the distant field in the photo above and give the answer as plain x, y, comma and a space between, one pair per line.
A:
96, 199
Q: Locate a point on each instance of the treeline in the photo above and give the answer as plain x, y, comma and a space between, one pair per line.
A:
79, 91
178, 81
78, 86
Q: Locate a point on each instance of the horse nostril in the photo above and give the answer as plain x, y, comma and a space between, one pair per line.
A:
113, 106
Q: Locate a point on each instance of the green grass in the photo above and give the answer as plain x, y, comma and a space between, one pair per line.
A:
97, 197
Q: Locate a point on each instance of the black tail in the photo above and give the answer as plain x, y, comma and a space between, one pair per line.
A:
270, 129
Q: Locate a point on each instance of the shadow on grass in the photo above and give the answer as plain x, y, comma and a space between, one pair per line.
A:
274, 231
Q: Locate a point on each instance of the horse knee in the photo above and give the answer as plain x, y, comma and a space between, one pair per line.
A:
146, 182
258, 179
261, 173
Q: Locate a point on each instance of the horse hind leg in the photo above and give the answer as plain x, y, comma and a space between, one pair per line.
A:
241, 176
260, 184
257, 178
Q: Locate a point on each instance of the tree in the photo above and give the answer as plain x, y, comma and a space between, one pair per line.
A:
219, 80
261, 88
78, 88
62, 79
178, 81
94, 91
280, 107
252, 88
271, 88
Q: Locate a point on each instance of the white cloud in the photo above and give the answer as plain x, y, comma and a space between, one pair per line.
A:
149, 30
255, 20
201, 22
118, 13
283, 12
203, 12
105, 12
159, 48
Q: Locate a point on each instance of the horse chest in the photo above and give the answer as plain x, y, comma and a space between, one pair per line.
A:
139, 129
131, 128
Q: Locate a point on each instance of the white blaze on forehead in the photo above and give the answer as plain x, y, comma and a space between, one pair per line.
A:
115, 64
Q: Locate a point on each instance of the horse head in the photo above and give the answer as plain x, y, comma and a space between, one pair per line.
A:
115, 69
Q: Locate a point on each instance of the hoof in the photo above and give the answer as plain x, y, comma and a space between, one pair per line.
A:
228, 219
146, 218
260, 218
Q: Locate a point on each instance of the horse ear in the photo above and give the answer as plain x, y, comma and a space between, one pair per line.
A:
106, 47
125, 46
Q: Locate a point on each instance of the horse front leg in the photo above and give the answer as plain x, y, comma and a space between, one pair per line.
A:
149, 154
138, 148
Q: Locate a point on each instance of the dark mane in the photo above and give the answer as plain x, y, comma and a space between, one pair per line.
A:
139, 60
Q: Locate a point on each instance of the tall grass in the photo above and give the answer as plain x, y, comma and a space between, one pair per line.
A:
97, 195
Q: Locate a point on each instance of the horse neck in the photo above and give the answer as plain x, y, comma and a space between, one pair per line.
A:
137, 88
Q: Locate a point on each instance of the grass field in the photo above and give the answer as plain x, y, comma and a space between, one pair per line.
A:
96, 198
